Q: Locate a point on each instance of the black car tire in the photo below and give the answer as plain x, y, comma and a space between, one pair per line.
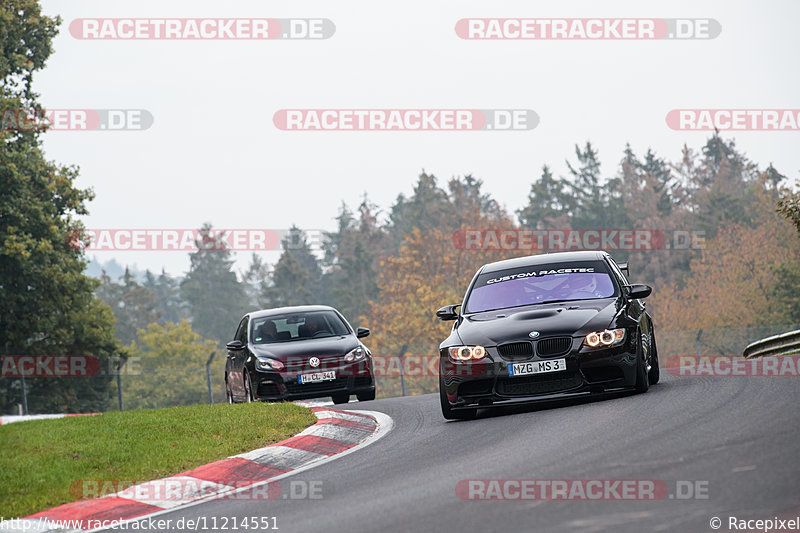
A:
655, 373
248, 390
642, 382
366, 396
340, 397
451, 414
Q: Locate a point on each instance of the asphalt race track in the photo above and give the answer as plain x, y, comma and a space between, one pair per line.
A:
740, 436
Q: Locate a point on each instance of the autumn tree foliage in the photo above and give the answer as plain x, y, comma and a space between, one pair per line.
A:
429, 270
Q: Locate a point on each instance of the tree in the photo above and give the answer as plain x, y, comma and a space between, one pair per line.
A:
593, 204
735, 282
721, 186
427, 272
296, 275
547, 202
134, 305
215, 296
352, 255
785, 293
427, 207
47, 304
167, 295
257, 282
166, 367
789, 207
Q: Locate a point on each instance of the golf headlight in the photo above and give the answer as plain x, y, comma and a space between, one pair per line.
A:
465, 353
355, 354
607, 337
263, 363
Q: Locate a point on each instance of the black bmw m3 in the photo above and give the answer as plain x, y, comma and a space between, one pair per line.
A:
543, 328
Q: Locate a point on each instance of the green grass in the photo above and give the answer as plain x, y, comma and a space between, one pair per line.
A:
42, 458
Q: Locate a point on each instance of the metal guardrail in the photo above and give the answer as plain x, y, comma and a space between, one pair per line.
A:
775, 345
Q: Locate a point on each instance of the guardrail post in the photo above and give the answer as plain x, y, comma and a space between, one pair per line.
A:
403, 349
697, 341
208, 377
24, 397
119, 382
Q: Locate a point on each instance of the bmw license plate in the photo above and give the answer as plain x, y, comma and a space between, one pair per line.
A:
537, 367
316, 377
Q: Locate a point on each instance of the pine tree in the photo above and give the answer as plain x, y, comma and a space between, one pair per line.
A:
169, 305
352, 256
296, 276
425, 209
215, 296
547, 202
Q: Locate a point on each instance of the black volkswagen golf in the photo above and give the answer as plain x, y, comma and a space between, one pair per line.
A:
297, 353
543, 328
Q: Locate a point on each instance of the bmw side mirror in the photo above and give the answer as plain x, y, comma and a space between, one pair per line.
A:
448, 312
235, 345
638, 290
362, 332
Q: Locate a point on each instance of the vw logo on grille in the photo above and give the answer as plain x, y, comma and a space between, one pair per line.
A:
314, 361
533, 334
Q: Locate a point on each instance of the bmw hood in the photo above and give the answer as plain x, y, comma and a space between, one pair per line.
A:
567, 318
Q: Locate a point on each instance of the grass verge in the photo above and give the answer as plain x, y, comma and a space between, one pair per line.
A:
41, 459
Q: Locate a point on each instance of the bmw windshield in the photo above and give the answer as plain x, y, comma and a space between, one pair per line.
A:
561, 282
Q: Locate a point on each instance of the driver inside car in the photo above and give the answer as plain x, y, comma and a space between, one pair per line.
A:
583, 283
312, 327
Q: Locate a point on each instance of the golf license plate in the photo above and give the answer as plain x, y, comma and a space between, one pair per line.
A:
316, 377
537, 367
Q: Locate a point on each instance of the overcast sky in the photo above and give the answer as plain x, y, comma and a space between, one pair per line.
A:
214, 155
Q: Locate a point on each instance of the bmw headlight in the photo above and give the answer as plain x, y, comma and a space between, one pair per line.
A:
355, 354
465, 353
266, 364
607, 337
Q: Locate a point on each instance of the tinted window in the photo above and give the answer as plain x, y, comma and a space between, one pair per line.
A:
538, 284
623, 280
241, 331
297, 326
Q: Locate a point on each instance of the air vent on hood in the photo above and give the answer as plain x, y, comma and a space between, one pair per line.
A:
553, 346
516, 349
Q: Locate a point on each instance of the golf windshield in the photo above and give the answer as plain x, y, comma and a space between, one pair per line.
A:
297, 326
540, 284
